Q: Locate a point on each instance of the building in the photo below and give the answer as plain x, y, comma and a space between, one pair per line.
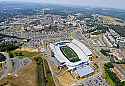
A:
113, 39
109, 38
119, 70
121, 42
74, 55
119, 54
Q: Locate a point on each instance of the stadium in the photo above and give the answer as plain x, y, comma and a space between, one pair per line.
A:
74, 55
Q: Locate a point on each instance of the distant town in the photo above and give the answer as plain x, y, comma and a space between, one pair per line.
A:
53, 45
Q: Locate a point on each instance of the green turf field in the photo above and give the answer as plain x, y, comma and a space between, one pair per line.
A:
69, 54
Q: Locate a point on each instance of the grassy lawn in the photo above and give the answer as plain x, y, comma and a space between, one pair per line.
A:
108, 78
44, 74
70, 54
72, 35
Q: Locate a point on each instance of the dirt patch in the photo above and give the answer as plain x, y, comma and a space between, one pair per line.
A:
26, 77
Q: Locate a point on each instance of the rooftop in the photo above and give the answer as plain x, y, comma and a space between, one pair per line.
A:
70, 53
119, 70
84, 70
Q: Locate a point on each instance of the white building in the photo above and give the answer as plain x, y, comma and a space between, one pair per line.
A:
82, 66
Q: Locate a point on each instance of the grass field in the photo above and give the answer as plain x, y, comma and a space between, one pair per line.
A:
44, 74
109, 75
69, 54
72, 35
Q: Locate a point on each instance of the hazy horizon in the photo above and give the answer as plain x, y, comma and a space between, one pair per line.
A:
120, 4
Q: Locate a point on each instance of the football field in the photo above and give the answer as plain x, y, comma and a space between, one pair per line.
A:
70, 54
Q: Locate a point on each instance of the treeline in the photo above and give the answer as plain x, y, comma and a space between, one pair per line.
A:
8, 46
119, 29
105, 52
112, 75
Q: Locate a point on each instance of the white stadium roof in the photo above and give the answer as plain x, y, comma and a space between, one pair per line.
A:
85, 70
81, 50
85, 49
61, 58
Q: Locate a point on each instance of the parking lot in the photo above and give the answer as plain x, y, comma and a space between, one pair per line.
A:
96, 81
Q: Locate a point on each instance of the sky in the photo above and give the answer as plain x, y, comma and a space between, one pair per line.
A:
94, 3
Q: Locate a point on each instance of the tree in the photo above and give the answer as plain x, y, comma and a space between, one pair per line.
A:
11, 55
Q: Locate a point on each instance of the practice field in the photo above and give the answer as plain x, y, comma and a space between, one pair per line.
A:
69, 54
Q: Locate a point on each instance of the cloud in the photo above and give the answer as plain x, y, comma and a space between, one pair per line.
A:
100, 3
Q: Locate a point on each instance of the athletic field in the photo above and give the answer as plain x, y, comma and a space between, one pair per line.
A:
69, 54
